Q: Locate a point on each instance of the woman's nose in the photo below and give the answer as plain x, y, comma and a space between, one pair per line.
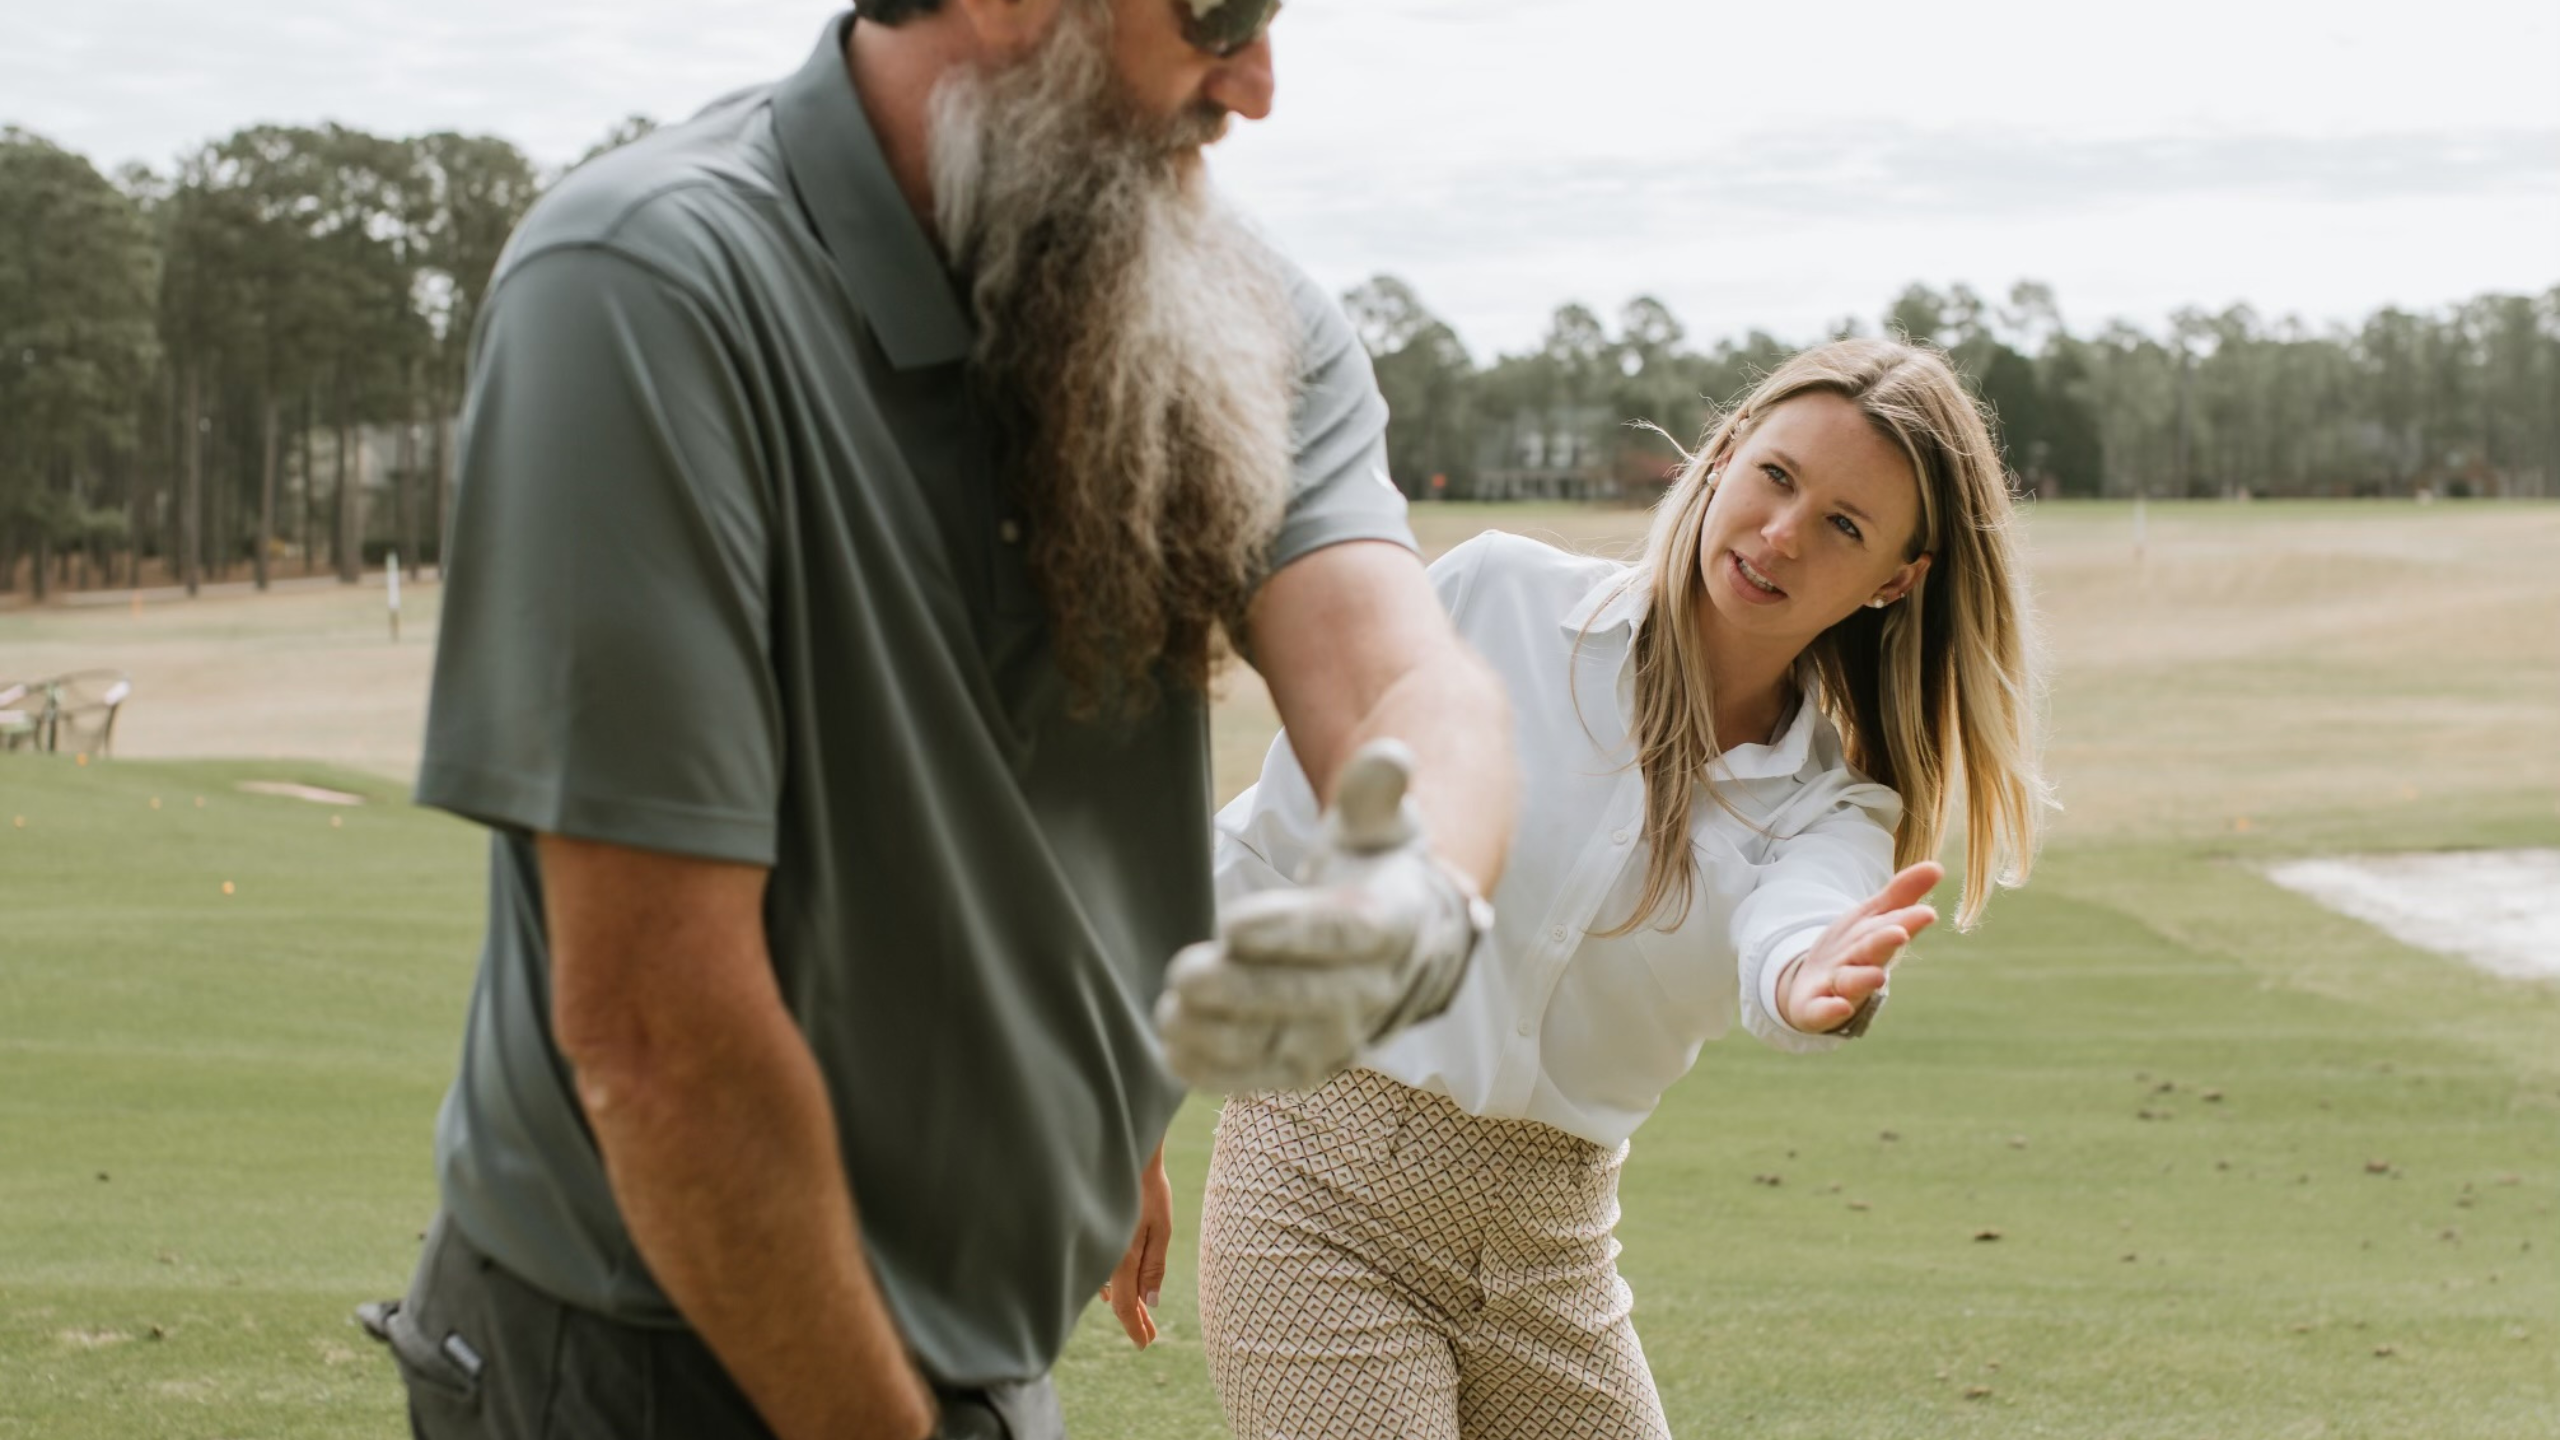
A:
1781, 531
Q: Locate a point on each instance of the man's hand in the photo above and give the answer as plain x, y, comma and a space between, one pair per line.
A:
1377, 937
1138, 1284
1828, 983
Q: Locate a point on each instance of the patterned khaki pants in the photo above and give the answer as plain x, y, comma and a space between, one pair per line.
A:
1375, 1262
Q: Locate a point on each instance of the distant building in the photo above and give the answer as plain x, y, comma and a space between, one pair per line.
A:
1569, 453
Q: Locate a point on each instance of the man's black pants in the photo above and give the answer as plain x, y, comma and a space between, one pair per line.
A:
488, 1357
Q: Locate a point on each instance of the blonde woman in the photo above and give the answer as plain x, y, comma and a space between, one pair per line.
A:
1740, 757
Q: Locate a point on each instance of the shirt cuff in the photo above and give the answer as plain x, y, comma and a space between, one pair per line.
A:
1762, 1017
541, 805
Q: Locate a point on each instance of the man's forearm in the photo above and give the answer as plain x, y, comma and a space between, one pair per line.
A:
1452, 711
1356, 647
724, 1160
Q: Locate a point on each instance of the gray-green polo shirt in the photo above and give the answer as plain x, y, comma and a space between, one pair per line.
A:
732, 577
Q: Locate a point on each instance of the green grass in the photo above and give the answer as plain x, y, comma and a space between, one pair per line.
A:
254, 1076
215, 1109
2166, 1085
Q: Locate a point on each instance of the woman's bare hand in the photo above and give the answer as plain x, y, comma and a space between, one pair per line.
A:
1827, 984
1137, 1285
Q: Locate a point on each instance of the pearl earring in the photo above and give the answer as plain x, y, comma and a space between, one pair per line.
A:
1878, 604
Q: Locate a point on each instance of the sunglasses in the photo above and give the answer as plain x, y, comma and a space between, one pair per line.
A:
1223, 27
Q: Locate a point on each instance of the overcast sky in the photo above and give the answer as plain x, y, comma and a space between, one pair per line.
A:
1753, 165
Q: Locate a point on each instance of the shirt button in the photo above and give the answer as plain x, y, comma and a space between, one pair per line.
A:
1008, 532
1617, 837
1527, 1025
1556, 934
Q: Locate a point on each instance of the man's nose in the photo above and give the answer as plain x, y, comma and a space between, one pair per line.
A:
1243, 83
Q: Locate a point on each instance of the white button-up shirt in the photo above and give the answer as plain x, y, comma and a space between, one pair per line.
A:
1553, 1023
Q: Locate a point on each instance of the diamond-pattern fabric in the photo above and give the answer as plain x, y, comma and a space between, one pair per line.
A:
1375, 1262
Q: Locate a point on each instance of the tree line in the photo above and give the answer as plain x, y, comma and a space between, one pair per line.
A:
213, 369
250, 362
2459, 401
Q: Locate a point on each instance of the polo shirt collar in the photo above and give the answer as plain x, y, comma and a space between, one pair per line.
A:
863, 219
1615, 605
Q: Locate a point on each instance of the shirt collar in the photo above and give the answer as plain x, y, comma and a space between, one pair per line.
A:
1787, 754
863, 219
1619, 601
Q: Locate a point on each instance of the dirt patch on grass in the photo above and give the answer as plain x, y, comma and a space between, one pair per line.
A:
2246, 661
294, 790
299, 674
2252, 660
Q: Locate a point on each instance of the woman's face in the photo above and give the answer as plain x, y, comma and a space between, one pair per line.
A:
1813, 518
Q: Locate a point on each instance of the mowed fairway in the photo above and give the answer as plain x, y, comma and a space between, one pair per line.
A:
2162, 1150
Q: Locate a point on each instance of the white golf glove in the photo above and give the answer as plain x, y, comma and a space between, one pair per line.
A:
1377, 937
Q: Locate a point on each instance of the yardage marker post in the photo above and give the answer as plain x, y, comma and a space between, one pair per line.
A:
391, 573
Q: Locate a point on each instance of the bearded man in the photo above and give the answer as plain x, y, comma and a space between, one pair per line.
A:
860, 482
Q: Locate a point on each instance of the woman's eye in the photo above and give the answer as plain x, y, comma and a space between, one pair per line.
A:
1776, 476
1847, 526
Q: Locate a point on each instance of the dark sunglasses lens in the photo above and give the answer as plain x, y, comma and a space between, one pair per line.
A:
1223, 28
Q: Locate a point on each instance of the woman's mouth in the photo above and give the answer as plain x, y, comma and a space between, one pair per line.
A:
1753, 586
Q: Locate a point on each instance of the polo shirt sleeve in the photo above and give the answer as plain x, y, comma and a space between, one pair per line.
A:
1341, 489
602, 665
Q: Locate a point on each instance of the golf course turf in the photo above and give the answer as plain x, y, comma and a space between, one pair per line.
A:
2162, 1150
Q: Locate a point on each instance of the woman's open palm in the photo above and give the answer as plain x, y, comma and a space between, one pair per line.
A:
1849, 962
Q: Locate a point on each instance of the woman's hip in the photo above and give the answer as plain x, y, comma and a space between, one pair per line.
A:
1369, 1151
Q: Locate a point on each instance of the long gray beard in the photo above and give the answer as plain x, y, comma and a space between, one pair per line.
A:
1138, 343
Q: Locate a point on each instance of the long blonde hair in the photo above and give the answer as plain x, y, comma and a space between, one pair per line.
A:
1941, 684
